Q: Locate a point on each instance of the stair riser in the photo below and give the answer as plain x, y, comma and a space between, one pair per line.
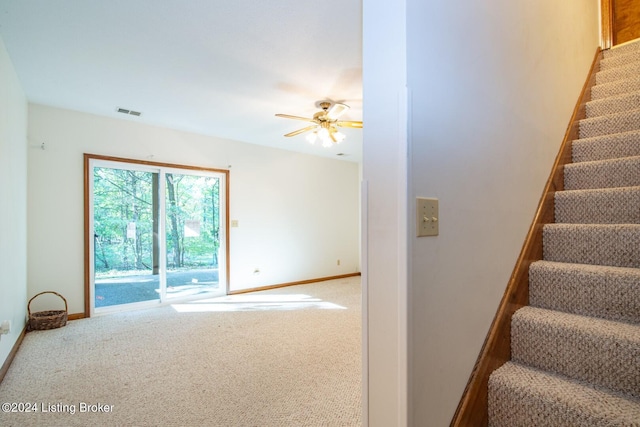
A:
617, 104
606, 174
619, 60
621, 50
606, 125
524, 397
606, 147
598, 357
508, 409
618, 73
617, 246
614, 206
615, 88
587, 291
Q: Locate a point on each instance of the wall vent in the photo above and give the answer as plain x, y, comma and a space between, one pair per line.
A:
130, 112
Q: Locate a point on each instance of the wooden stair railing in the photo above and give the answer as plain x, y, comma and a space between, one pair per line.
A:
496, 350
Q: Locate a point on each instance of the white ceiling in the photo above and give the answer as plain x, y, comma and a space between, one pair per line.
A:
212, 67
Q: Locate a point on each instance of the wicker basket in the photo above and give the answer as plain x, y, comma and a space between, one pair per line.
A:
50, 319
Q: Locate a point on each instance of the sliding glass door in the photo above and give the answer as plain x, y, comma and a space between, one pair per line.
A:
158, 234
193, 235
124, 218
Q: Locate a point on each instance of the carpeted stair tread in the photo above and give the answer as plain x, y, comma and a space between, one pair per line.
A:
619, 60
619, 205
599, 351
521, 396
610, 173
618, 73
605, 90
611, 123
590, 290
617, 145
621, 49
616, 245
613, 104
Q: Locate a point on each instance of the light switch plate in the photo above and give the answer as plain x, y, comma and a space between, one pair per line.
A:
5, 327
427, 217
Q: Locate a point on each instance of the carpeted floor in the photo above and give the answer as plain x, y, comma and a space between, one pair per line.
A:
283, 357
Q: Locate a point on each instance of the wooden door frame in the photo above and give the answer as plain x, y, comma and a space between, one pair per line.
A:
88, 238
606, 23
615, 24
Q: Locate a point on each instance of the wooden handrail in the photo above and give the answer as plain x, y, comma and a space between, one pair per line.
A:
496, 350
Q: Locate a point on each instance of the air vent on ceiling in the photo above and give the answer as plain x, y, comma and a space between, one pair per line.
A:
130, 112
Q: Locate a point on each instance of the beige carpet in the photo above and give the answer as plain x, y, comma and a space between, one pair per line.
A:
575, 351
284, 357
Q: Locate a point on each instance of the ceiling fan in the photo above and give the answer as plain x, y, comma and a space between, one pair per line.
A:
324, 123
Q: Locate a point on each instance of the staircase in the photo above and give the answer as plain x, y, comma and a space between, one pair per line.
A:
575, 350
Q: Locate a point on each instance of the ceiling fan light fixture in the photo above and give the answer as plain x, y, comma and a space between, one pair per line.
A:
323, 134
324, 124
339, 136
311, 138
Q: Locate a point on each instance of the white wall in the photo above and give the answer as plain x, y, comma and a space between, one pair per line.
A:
385, 178
492, 87
297, 214
13, 203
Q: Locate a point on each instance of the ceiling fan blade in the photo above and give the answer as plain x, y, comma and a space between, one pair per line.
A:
349, 124
336, 110
287, 116
299, 131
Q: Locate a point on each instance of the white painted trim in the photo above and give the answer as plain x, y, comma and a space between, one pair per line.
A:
403, 259
364, 224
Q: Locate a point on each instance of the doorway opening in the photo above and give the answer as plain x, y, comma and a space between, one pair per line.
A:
154, 233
